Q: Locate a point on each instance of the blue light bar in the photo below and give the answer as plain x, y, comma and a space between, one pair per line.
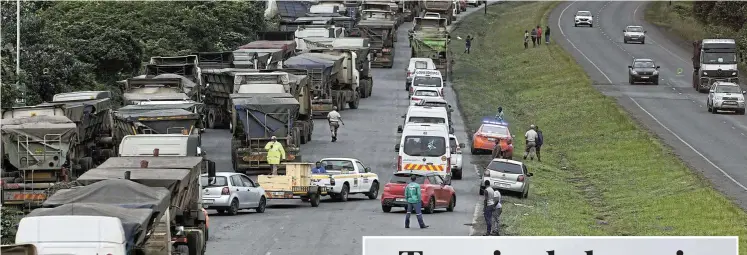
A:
494, 121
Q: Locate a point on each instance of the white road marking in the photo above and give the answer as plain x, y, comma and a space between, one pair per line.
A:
643, 109
475, 216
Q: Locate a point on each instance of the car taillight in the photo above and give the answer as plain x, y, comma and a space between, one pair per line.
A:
399, 163
415, 98
386, 50
412, 90
521, 178
486, 173
448, 165
442, 92
225, 191
408, 74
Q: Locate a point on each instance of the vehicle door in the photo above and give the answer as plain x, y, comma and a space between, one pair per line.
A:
354, 175
242, 193
253, 191
437, 189
365, 178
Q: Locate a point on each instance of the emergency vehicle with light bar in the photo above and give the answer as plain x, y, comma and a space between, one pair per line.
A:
490, 133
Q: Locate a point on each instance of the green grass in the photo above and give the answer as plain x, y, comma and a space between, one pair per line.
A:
677, 19
601, 174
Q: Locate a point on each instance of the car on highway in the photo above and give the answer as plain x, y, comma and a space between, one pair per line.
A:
422, 93
583, 18
415, 64
474, 3
643, 70
491, 131
347, 176
230, 192
634, 34
508, 175
456, 155
428, 115
427, 78
424, 147
436, 191
726, 96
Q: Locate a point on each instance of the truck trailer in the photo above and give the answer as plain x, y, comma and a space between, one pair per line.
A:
714, 60
329, 86
382, 35
443, 7
357, 49
430, 39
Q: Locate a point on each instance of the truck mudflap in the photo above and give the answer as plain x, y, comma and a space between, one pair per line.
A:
321, 107
26, 195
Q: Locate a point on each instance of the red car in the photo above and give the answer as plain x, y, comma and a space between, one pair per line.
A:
437, 192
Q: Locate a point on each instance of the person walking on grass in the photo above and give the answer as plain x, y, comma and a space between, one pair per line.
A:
414, 202
488, 207
496, 215
526, 39
467, 44
540, 141
534, 37
547, 35
539, 35
531, 141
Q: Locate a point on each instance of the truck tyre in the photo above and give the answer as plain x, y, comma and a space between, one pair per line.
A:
431, 206
354, 104
457, 174
233, 209
194, 243
308, 137
343, 197
315, 200
211, 119
205, 231
182, 249
373, 193
303, 139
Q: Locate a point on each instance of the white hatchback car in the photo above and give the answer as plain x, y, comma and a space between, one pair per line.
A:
508, 175
231, 192
424, 93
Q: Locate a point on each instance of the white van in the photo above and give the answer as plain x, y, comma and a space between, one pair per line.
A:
417, 63
427, 115
427, 78
82, 235
424, 147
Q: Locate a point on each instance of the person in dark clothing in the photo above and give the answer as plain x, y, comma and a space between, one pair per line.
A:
547, 35
534, 37
467, 44
526, 39
540, 141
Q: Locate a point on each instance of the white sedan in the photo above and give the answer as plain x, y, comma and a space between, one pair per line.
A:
231, 192
424, 93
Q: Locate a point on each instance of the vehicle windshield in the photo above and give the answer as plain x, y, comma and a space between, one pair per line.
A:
338, 166
427, 81
428, 146
426, 93
404, 178
421, 65
643, 64
727, 89
219, 181
495, 130
584, 13
723, 58
635, 29
505, 167
426, 120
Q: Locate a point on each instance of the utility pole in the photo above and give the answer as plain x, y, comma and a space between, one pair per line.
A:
21, 100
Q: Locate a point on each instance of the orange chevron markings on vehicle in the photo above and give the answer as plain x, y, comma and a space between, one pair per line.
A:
420, 167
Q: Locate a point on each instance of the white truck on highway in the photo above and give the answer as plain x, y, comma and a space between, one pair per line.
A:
347, 176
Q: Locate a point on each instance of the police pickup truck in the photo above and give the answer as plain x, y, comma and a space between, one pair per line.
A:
347, 176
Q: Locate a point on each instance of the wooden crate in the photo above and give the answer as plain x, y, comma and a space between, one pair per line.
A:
300, 173
275, 182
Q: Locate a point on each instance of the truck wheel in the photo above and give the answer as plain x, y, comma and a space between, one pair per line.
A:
344, 193
211, 120
182, 249
315, 200
431, 206
373, 193
303, 139
194, 243
308, 137
354, 104
458, 174
205, 230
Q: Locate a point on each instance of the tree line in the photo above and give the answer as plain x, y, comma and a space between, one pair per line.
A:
73, 46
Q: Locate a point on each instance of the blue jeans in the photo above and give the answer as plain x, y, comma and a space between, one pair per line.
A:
488, 213
418, 209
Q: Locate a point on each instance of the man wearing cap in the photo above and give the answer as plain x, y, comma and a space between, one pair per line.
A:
275, 152
335, 119
531, 139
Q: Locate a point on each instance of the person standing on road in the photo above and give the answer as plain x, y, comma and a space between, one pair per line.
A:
539, 35
275, 153
334, 119
488, 207
413, 197
319, 169
534, 37
467, 44
531, 141
496, 215
547, 35
526, 39
540, 141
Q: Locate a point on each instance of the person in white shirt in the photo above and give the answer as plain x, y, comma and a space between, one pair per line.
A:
488, 208
496, 215
531, 141
334, 119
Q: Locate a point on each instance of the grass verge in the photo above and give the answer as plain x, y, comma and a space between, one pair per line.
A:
601, 174
676, 17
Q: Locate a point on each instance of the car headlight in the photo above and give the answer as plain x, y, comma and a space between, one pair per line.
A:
633, 72
656, 72
705, 73
734, 74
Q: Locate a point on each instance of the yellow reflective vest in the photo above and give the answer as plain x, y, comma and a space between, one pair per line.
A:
275, 152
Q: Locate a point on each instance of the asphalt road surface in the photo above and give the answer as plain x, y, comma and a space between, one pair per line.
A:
291, 227
715, 145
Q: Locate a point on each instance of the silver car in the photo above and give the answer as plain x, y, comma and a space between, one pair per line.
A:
726, 96
508, 175
231, 192
634, 34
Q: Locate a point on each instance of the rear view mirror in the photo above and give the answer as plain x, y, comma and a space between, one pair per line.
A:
630, 66
461, 145
367, 169
451, 130
624, 31
657, 67
399, 129
211, 171
530, 174
396, 147
403, 116
744, 92
645, 32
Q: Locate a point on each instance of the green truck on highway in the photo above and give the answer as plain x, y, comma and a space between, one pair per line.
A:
430, 39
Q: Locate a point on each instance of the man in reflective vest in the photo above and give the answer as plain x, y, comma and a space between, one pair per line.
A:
275, 152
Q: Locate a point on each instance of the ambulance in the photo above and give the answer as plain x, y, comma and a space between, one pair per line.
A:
424, 147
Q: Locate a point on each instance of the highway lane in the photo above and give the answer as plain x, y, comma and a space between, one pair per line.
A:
713, 144
293, 227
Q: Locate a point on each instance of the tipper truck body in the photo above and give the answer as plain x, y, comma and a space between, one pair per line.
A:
381, 34
157, 119
284, 41
430, 39
54, 142
217, 91
347, 46
147, 201
443, 7
324, 74
714, 60
324, 31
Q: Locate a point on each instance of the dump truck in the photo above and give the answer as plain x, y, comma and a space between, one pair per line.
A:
289, 11
443, 7
217, 102
324, 31
409, 9
382, 35
296, 183
430, 39
348, 46
381, 7
335, 19
275, 40
157, 119
714, 60
185, 66
154, 201
331, 85
53, 142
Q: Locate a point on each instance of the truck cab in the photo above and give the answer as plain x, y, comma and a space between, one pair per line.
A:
714, 60
347, 176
